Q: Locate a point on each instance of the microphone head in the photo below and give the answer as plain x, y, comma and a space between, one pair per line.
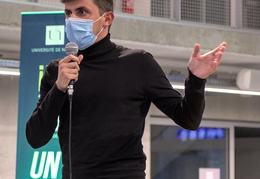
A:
71, 48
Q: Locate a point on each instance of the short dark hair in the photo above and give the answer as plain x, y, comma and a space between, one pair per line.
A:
103, 5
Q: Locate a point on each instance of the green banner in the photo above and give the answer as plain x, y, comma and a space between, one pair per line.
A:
42, 40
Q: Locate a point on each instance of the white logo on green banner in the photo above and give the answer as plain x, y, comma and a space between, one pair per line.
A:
55, 35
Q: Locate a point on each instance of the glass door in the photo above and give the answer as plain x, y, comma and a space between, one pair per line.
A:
247, 152
177, 153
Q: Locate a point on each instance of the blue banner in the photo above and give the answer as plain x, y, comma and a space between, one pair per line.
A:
42, 40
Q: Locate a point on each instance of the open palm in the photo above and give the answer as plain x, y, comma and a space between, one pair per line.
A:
204, 65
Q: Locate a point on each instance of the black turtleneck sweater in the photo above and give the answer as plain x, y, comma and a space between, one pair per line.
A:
111, 99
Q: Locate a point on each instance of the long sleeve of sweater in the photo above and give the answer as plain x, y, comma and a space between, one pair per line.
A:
43, 121
186, 110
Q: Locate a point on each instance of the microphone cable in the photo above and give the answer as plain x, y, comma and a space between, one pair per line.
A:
70, 93
70, 48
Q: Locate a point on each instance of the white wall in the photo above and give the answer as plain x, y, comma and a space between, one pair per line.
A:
8, 125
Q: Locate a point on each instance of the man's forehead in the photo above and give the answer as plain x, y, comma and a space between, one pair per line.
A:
80, 3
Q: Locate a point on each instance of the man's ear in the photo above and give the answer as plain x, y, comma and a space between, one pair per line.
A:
109, 17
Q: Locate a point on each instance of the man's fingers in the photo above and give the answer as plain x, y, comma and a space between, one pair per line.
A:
71, 62
80, 57
224, 44
196, 50
220, 53
218, 57
220, 48
73, 58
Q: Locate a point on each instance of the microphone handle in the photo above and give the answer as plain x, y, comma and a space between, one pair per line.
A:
72, 82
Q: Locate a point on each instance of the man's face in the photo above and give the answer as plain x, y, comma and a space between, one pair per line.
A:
84, 9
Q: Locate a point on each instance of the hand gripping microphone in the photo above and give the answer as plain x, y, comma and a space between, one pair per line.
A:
71, 49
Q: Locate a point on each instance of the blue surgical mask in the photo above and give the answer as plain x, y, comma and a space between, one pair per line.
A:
80, 31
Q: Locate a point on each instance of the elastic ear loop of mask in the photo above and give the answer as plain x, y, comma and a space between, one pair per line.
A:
102, 27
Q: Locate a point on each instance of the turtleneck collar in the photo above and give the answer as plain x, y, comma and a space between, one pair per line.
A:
98, 50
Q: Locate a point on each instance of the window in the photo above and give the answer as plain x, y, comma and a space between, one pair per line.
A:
160, 8
218, 12
207, 11
251, 14
191, 10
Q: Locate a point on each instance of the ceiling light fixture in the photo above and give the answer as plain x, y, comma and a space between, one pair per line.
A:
222, 90
9, 71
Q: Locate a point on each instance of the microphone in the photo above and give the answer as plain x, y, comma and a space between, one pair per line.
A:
71, 48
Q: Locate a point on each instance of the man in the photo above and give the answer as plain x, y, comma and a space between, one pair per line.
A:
114, 87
